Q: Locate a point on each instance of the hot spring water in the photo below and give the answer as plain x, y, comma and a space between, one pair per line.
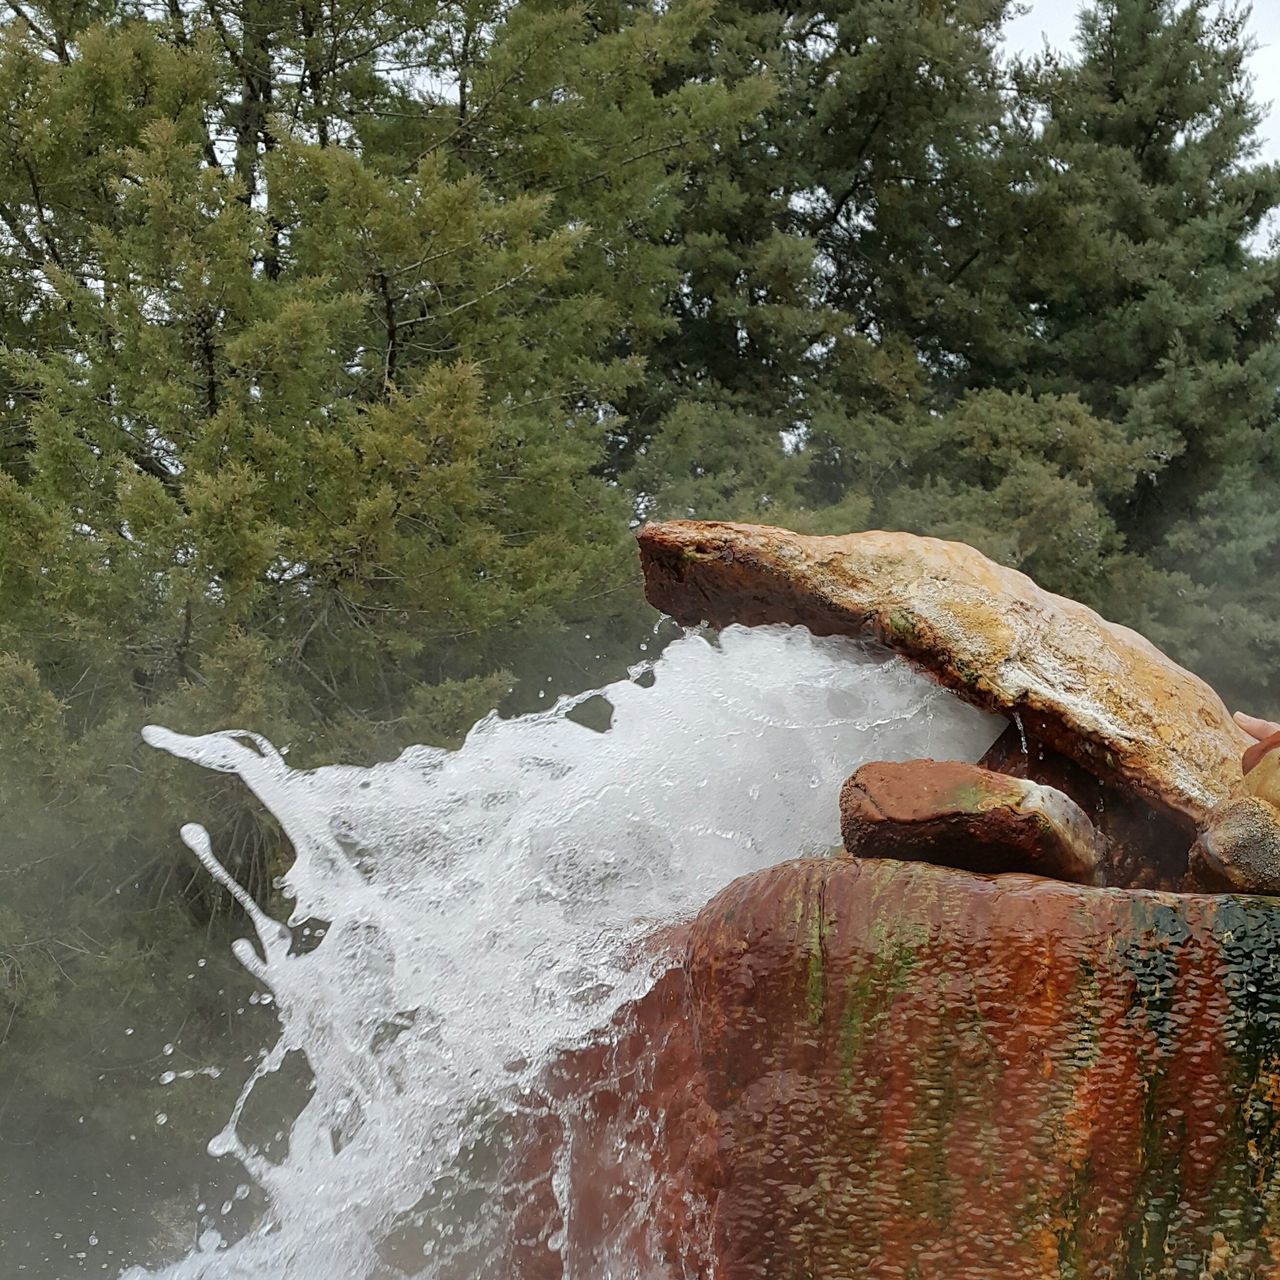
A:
462, 917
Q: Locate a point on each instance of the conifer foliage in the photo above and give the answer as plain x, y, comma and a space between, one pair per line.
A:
311, 318
341, 343
1161, 315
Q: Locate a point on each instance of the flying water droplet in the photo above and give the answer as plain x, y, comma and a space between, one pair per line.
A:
494, 913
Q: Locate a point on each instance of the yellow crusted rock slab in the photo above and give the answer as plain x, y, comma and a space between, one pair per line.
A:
1096, 691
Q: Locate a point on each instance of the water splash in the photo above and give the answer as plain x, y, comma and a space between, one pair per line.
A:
483, 910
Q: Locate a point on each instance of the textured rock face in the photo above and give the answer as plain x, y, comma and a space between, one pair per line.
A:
625, 1128
889, 1070
964, 816
1238, 851
1098, 693
884, 1068
1238, 847
918, 1072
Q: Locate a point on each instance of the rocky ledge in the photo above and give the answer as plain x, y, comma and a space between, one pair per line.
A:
917, 1062
1144, 748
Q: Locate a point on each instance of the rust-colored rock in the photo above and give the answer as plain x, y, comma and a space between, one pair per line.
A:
894, 1070
624, 1125
1237, 849
1097, 692
879, 1069
920, 1072
961, 815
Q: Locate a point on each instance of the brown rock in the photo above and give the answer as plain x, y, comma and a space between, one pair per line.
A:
1095, 691
879, 1069
961, 815
1239, 849
919, 1072
623, 1125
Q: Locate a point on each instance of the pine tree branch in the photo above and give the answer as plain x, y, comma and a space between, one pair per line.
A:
55, 44
677, 144
38, 198
435, 316
214, 10
478, 113
964, 266
22, 237
841, 201
393, 335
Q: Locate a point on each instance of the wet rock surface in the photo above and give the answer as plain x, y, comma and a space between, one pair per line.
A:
879, 1069
922, 1072
1238, 851
885, 1067
1146, 845
961, 815
1096, 692
624, 1134
1238, 848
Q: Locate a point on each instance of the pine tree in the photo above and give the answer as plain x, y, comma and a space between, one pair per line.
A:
1159, 309
311, 336
841, 262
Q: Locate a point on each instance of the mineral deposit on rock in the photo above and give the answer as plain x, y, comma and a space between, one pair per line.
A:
1098, 692
1238, 850
916, 1071
1146, 845
880, 1069
956, 814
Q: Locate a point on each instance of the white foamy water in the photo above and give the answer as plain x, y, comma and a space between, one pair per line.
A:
483, 911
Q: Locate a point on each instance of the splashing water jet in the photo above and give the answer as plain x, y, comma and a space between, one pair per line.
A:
493, 907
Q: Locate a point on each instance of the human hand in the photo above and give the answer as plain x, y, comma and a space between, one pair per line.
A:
1256, 728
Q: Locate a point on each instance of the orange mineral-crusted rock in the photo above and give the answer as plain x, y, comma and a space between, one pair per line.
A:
921, 1072
881, 1069
956, 814
1095, 691
1238, 849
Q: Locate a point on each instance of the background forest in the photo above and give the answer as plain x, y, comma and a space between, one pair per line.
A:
344, 342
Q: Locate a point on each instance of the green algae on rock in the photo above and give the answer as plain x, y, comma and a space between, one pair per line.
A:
1006, 1076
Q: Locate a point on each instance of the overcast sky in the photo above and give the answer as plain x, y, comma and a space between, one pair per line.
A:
1055, 21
